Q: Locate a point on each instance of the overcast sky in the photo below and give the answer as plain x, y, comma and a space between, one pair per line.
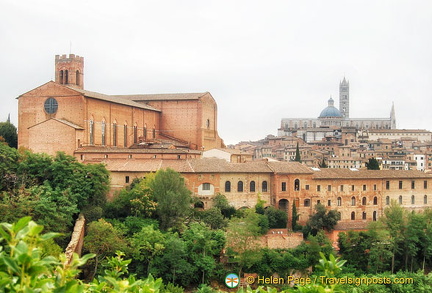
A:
261, 60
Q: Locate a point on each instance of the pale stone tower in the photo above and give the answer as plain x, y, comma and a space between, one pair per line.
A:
393, 117
69, 70
344, 98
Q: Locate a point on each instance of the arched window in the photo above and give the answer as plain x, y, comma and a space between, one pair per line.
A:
364, 215
374, 216
103, 129
375, 201
252, 186
77, 78
227, 186
145, 132
352, 215
297, 185
240, 186
125, 142
425, 199
353, 201
400, 199
61, 77
387, 200
339, 201
364, 201
154, 133
264, 186
66, 77
135, 133
91, 131
114, 133
412, 199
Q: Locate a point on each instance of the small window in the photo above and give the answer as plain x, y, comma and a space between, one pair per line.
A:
125, 141
127, 179
227, 186
412, 199
387, 185
353, 201
364, 187
364, 215
400, 184
307, 202
387, 200
353, 216
425, 184
400, 199
135, 134
264, 186
352, 187
329, 187
375, 200
296, 185
114, 134
375, 187
252, 186
341, 188
364, 201
425, 201
283, 187
339, 201
329, 202
240, 186
374, 216
412, 184
206, 186
318, 187
307, 187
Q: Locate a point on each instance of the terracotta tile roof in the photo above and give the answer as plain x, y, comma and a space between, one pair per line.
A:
330, 173
108, 150
289, 167
114, 99
138, 165
163, 97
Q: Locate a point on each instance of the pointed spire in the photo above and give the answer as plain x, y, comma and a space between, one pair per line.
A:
8, 119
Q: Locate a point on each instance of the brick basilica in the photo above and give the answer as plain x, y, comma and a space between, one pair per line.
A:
137, 134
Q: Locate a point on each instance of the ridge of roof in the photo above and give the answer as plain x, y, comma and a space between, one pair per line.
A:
160, 97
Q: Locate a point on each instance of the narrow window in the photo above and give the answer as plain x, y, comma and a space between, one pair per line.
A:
145, 133
125, 135
114, 134
264, 186
307, 202
252, 186
400, 184
387, 185
425, 201
364, 201
425, 184
240, 186
400, 199
374, 216
353, 216
329, 202
127, 179
329, 187
307, 186
364, 187
66, 78
61, 77
341, 188
318, 187
77, 78
375, 200
103, 132
412, 199
339, 201
364, 215
227, 186
154, 133
375, 187
387, 200
296, 185
135, 133
353, 201
352, 187
283, 186
91, 130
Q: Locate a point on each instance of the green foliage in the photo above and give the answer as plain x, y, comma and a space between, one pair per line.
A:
276, 218
323, 219
8, 167
297, 154
213, 217
172, 196
221, 202
372, 164
295, 216
8, 131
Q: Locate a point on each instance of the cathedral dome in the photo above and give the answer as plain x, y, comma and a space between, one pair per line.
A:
330, 111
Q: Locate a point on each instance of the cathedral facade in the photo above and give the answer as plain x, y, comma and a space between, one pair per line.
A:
331, 120
61, 115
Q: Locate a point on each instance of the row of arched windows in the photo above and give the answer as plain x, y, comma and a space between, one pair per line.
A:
413, 199
64, 77
240, 186
364, 215
115, 133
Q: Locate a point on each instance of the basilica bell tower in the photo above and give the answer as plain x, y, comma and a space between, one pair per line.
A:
69, 70
344, 98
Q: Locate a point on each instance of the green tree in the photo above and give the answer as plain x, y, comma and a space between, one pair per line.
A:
322, 219
220, 201
295, 217
9, 132
276, 218
372, 164
8, 167
297, 154
172, 196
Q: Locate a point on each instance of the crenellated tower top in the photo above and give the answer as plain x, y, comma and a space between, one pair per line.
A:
69, 70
